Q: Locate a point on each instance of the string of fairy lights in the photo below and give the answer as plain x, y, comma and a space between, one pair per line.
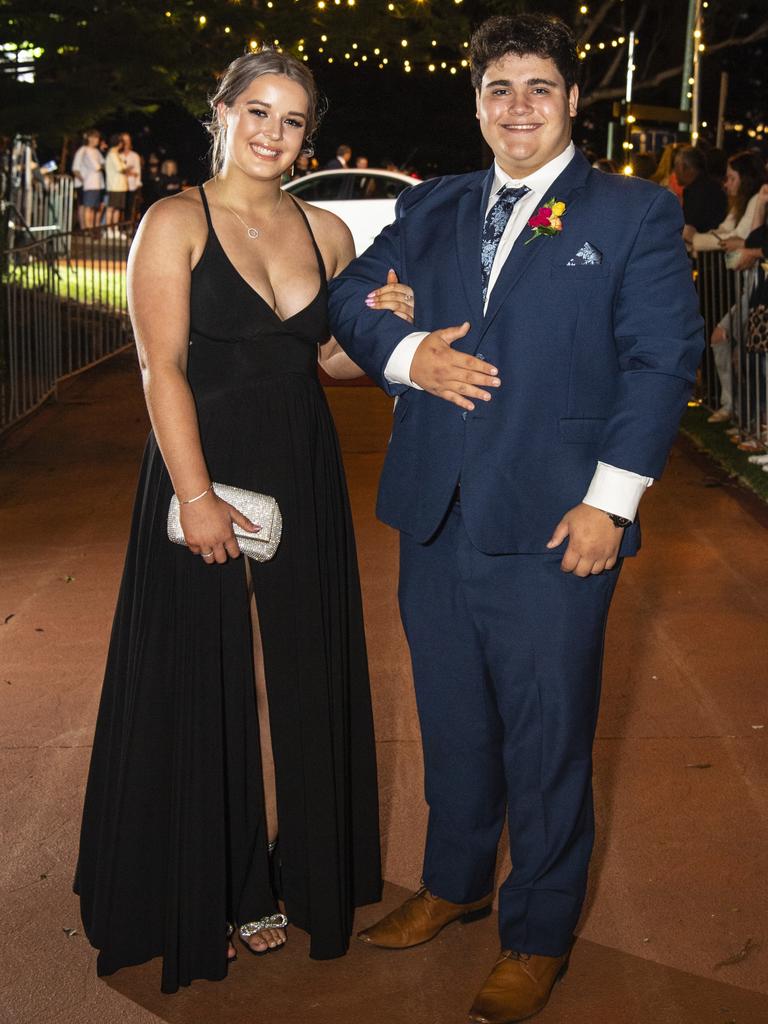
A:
357, 57
358, 54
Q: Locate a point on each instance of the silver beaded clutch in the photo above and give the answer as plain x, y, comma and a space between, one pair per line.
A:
261, 509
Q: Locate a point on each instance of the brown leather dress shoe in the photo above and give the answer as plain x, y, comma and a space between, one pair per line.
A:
517, 988
420, 918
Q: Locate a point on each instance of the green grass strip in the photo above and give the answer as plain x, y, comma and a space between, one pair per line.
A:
712, 439
87, 283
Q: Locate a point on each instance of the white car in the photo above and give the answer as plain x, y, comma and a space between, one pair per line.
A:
364, 199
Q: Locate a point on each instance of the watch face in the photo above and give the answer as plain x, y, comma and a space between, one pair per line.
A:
618, 521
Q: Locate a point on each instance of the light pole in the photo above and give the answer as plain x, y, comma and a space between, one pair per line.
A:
698, 50
690, 86
629, 117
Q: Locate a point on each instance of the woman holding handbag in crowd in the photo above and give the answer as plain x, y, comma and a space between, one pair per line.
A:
227, 291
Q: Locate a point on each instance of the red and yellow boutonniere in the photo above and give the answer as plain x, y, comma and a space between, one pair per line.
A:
547, 220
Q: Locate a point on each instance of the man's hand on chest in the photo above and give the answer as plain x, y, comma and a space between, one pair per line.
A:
453, 376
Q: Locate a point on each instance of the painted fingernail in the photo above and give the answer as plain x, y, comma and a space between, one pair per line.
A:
371, 295
370, 302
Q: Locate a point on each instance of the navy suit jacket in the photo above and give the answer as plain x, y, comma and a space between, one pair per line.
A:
596, 360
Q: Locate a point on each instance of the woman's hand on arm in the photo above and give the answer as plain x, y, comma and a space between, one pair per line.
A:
393, 296
399, 298
159, 274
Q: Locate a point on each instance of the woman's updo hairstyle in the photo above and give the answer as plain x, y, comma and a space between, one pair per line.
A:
239, 75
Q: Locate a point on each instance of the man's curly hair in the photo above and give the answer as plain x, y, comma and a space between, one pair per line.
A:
543, 35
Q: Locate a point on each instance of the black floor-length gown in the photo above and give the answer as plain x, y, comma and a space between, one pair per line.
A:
173, 843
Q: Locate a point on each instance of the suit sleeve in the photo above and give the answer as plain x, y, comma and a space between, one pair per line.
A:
370, 336
659, 341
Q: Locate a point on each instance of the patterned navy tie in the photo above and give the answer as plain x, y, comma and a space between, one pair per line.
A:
495, 221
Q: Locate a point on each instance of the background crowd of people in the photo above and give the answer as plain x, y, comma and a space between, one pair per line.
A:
724, 201
115, 184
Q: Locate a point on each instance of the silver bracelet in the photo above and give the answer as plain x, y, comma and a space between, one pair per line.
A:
197, 497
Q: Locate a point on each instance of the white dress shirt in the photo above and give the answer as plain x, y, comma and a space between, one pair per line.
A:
612, 489
88, 163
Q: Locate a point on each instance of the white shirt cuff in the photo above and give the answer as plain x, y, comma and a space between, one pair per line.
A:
616, 490
398, 368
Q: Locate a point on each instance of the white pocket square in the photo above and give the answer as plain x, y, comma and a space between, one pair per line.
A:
587, 256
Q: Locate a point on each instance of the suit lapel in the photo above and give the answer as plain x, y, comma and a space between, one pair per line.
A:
523, 258
470, 215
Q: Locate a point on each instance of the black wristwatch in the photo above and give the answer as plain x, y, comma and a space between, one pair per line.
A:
618, 521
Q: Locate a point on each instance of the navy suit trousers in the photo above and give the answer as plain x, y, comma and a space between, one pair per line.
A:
507, 653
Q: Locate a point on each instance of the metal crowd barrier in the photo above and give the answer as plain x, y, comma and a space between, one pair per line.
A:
63, 308
724, 296
51, 205
41, 207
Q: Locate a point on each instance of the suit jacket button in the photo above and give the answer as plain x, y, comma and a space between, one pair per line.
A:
464, 414
479, 355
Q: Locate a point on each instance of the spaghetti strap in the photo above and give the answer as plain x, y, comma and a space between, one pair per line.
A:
207, 210
318, 254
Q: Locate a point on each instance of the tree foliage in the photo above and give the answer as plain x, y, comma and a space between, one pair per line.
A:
106, 55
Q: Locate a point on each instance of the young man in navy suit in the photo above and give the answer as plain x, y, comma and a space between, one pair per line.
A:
523, 439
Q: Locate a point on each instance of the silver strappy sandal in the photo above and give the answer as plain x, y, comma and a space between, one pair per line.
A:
251, 928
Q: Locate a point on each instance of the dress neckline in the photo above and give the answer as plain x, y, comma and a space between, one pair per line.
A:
320, 265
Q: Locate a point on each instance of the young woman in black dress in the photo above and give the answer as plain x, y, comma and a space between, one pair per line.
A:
227, 292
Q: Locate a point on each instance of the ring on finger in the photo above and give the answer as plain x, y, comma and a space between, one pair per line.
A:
207, 554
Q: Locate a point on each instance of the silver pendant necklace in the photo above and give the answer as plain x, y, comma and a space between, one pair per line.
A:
253, 232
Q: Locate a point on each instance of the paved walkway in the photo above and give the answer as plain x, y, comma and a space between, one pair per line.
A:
676, 928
